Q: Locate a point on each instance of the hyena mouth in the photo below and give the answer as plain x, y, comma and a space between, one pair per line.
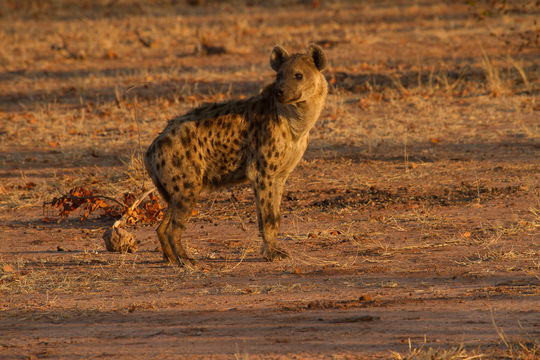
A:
289, 101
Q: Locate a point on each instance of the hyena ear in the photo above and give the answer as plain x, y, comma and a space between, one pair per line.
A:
317, 54
278, 57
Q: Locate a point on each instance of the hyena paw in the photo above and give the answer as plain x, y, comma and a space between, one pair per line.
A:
182, 262
274, 253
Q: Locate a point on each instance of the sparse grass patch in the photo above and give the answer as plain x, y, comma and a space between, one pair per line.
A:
83, 273
422, 353
514, 350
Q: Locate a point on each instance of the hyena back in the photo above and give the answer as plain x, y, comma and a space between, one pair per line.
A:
259, 140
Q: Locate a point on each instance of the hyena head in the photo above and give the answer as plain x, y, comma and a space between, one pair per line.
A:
298, 76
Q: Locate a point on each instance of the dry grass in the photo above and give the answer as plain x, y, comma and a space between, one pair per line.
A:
422, 353
513, 350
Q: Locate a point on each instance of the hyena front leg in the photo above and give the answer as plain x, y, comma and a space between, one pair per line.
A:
268, 197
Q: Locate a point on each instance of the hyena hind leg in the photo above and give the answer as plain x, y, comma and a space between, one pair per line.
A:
180, 212
168, 254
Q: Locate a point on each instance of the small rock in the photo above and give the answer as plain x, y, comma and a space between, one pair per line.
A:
119, 240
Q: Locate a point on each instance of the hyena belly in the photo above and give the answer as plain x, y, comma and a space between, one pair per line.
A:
198, 154
224, 141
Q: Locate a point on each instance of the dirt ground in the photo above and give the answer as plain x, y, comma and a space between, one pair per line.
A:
413, 221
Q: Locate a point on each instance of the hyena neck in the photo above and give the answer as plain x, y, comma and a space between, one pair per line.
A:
302, 116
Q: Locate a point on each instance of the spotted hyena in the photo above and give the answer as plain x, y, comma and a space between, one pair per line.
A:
259, 140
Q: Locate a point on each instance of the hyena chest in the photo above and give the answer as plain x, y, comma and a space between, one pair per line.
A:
293, 152
279, 153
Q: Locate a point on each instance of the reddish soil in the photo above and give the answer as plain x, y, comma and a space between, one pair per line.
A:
371, 268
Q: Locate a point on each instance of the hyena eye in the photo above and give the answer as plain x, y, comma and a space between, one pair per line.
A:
298, 76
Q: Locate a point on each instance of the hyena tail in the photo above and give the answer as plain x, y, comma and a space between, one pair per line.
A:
152, 171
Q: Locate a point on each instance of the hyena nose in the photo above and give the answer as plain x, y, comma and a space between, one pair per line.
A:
279, 92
